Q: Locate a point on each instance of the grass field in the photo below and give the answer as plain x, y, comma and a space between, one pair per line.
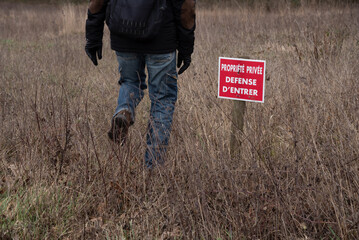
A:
298, 173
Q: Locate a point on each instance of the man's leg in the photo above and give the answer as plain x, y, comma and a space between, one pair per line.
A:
162, 81
132, 81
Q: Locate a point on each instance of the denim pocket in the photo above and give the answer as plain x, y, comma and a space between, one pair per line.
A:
161, 58
126, 56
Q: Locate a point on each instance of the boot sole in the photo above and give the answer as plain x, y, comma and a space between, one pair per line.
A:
118, 131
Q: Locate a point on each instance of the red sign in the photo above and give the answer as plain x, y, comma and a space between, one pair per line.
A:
241, 79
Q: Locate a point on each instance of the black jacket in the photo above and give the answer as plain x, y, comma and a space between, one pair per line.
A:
177, 30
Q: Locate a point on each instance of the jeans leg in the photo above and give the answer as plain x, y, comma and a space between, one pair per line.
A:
163, 95
132, 81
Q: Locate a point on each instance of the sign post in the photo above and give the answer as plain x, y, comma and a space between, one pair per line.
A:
244, 80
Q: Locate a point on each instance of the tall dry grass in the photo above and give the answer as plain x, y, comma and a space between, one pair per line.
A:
298, 173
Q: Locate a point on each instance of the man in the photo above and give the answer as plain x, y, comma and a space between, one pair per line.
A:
158, 54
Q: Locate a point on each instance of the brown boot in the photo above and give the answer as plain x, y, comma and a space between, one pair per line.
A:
119, 127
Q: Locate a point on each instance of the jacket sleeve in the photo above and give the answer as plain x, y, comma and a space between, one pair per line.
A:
95, 22
185, 17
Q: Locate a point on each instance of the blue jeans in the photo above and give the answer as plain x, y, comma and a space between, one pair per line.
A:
162, 86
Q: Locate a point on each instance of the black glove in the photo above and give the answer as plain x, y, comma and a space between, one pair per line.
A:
92, 50
185, 59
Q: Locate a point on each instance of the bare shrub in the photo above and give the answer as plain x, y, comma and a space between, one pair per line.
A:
71, 16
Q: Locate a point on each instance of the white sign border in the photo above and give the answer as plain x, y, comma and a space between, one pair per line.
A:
241, 59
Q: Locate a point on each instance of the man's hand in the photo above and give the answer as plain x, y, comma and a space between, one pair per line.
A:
186, 60
94, 51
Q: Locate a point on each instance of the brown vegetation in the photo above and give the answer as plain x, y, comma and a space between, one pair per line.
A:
298, 173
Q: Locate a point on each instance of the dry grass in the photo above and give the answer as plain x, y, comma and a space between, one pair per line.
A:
298, 174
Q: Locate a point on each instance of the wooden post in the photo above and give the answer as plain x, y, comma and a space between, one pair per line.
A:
238, 112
